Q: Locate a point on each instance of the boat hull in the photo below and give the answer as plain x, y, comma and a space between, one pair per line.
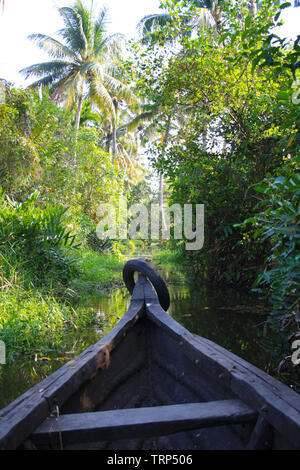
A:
151, 384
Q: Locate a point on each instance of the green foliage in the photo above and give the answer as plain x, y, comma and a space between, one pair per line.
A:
42, 271
97, 271
97, 244
40, 156
55, 174
39, 240
278, 221
30, 320
230, 255
235, 131
48, 200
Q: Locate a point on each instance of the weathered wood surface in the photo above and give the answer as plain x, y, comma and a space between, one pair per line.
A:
141, 422
21, 417
279, 405
262, 436
211, 368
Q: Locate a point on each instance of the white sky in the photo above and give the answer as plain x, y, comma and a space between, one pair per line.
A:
23, 17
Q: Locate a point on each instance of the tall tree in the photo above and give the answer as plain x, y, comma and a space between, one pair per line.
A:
204, 16
83, 64
207, 15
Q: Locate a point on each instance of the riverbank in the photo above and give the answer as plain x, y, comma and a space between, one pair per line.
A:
38, 318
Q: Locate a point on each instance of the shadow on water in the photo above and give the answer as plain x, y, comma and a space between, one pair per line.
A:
228, 317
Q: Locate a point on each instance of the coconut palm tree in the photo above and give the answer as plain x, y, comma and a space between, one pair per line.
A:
83, 64
127, 142
146, 123
208, 15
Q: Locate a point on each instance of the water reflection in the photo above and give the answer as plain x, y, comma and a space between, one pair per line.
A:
18, 376
231, 318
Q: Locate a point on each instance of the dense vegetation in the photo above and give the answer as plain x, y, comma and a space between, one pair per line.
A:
212, 93
230, 91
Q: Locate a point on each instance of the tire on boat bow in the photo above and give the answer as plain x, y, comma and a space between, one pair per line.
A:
158, 283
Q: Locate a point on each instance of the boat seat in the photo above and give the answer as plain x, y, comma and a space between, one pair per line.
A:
140, 422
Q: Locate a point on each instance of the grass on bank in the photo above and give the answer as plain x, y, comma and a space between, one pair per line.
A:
44, 269
44, 272
30, 320
97, 271
37, 317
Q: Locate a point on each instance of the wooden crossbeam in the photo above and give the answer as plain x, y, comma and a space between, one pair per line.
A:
140, 422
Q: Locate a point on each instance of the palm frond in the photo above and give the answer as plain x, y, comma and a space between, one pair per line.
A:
73, 32
148, 23
46, 82
86, 21
140, 119
66, 89
203, 19
150, 131
120, 90
100, 25
45, 68
53, 47
94, 67
99, 94
111, 45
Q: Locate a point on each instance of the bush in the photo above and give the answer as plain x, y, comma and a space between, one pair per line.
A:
278, 222
36, 241
96, 244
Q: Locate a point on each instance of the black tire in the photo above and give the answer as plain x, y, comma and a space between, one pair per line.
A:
158, 283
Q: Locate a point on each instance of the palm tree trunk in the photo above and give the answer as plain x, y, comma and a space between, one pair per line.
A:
216, 14
161, 201
114, 143
114, 131
204, 138
77, 123
78, 113
253, 7
161, 178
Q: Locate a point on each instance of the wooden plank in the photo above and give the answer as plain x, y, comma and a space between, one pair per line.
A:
19, 419
110, 385
262, 436
279, 404
168, 360
213, 438
19, 422
141, 422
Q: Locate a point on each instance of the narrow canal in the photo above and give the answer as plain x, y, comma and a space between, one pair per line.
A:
229, 317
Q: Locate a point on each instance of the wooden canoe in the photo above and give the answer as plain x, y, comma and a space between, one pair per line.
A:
151, 384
